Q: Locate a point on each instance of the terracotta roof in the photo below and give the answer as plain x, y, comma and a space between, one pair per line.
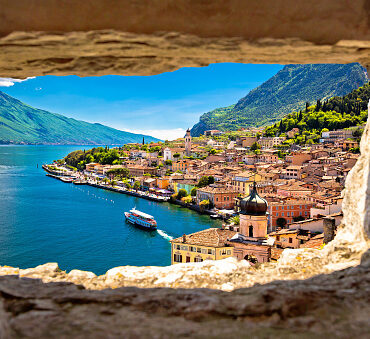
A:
209, 189
212, 237
315, 242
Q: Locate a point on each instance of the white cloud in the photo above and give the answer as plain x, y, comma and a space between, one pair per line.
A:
164, 134
8, 82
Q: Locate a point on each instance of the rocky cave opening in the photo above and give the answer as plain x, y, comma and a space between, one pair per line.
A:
307, 292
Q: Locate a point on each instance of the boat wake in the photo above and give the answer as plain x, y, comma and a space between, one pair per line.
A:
164, 235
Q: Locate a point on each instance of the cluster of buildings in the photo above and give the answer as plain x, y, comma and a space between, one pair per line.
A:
282, 202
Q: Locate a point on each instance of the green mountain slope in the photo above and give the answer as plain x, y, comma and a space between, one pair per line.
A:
286, 91
21, 123
336, 113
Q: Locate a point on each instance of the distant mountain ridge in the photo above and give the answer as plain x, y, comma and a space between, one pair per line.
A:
23, 124
286, 91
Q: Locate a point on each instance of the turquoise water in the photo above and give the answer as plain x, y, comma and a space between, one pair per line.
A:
80, 227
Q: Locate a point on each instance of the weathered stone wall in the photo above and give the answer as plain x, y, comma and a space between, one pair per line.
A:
131, 37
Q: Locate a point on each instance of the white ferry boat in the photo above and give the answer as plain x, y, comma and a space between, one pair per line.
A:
141, 219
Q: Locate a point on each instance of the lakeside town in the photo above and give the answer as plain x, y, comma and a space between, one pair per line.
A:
272, 194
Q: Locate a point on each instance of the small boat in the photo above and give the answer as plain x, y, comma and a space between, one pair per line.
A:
141, 219
66, 179
80, 182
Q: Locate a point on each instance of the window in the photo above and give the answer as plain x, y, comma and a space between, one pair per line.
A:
288, 214
282, 214
176, 247
177, 258
198, 259
228, 252
290, 240
278, 238
184, 248
277, 214
216, 199
210, 251
199, 250
187, 259
305, 212
300, 213
193, 249
204, 250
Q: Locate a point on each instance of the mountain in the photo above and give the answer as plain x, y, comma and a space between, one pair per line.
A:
336, 113
21, 123
286, 91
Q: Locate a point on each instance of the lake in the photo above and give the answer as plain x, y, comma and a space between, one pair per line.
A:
81, 227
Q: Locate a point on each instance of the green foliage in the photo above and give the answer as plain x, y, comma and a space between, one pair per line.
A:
136, 185
193, 192
335, 113
119, 172
187, 200
168, 162
101, 155
181, 194
287, 91
355, 150
255, 146
204, 204
205, 181
176, 155
235, 220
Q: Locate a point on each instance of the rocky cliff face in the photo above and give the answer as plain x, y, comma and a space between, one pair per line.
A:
308, 292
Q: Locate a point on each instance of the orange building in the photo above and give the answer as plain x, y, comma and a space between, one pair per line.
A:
163, 182
220, 197
288, 212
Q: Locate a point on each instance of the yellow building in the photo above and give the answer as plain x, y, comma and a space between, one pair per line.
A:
210, 244
241, 181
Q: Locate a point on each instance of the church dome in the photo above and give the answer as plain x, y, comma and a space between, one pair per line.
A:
253, 204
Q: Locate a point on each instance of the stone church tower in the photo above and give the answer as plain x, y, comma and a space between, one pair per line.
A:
253, 217
188, 143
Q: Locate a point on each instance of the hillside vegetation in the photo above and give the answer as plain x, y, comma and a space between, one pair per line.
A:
21, 123
335, 113
286, 91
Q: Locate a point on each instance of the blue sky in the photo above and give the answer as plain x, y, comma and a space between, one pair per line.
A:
163, 105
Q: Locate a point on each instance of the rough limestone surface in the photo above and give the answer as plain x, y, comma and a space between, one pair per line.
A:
130, 37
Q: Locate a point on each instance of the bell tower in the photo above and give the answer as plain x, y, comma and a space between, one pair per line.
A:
253, 217
188, 143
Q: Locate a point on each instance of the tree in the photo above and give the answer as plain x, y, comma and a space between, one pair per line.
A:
255, 146
136, 185
357, 133
203, 181
168, 162
181, 194
193, 192
176, 155
281, 222
204, 204
212, 151
187, 200
235, 220
211, 180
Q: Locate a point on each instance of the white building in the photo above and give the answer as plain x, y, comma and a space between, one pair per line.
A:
167, 154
